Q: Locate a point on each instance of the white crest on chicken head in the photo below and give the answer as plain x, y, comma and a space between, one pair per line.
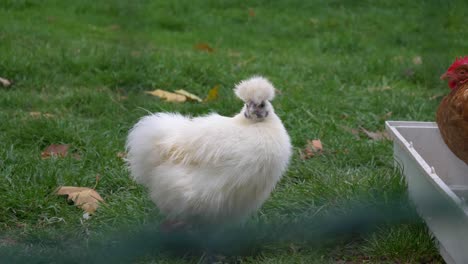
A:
256, 92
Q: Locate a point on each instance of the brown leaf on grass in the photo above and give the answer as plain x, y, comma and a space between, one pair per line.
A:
312, 148
379, 135
122, 155
40, 114
5, 82
204, 47
317, 145
55, 150
35, 114
85, 198
168, 96
213, 94
417, 60
251, 12
188, 95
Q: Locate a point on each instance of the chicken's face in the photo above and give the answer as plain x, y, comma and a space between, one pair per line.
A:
457, 73
257, 111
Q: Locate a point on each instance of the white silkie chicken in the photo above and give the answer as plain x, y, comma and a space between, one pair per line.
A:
212, 169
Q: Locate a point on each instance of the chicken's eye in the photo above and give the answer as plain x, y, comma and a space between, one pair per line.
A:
262, 104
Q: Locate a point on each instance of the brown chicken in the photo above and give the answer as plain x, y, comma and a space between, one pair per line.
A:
452, 115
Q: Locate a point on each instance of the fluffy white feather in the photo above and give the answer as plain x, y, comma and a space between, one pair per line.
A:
211, 169
255, 89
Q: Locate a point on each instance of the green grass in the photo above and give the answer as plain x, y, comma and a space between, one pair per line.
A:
89, 62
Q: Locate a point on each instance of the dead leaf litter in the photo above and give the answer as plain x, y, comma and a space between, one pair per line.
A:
313, 147
5, 82
55, 150
86, 198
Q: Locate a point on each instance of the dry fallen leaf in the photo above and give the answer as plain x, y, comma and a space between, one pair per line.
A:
417, 60
40, 114
35, 114
379, 135
168, 96
251, 12
55, 150
85, 198
188, 95
317, 145
212, 94
313, 147
204, 47
5, 82
122, 155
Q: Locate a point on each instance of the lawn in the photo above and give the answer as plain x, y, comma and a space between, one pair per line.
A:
340, 66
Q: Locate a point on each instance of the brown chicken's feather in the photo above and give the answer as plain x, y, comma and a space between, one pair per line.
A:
452, 119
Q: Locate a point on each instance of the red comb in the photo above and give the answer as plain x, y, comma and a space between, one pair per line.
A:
458, 62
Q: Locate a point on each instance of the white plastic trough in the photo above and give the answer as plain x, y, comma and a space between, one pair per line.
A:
436, 180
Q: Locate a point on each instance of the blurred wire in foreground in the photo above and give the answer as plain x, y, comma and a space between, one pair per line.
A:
127, 247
